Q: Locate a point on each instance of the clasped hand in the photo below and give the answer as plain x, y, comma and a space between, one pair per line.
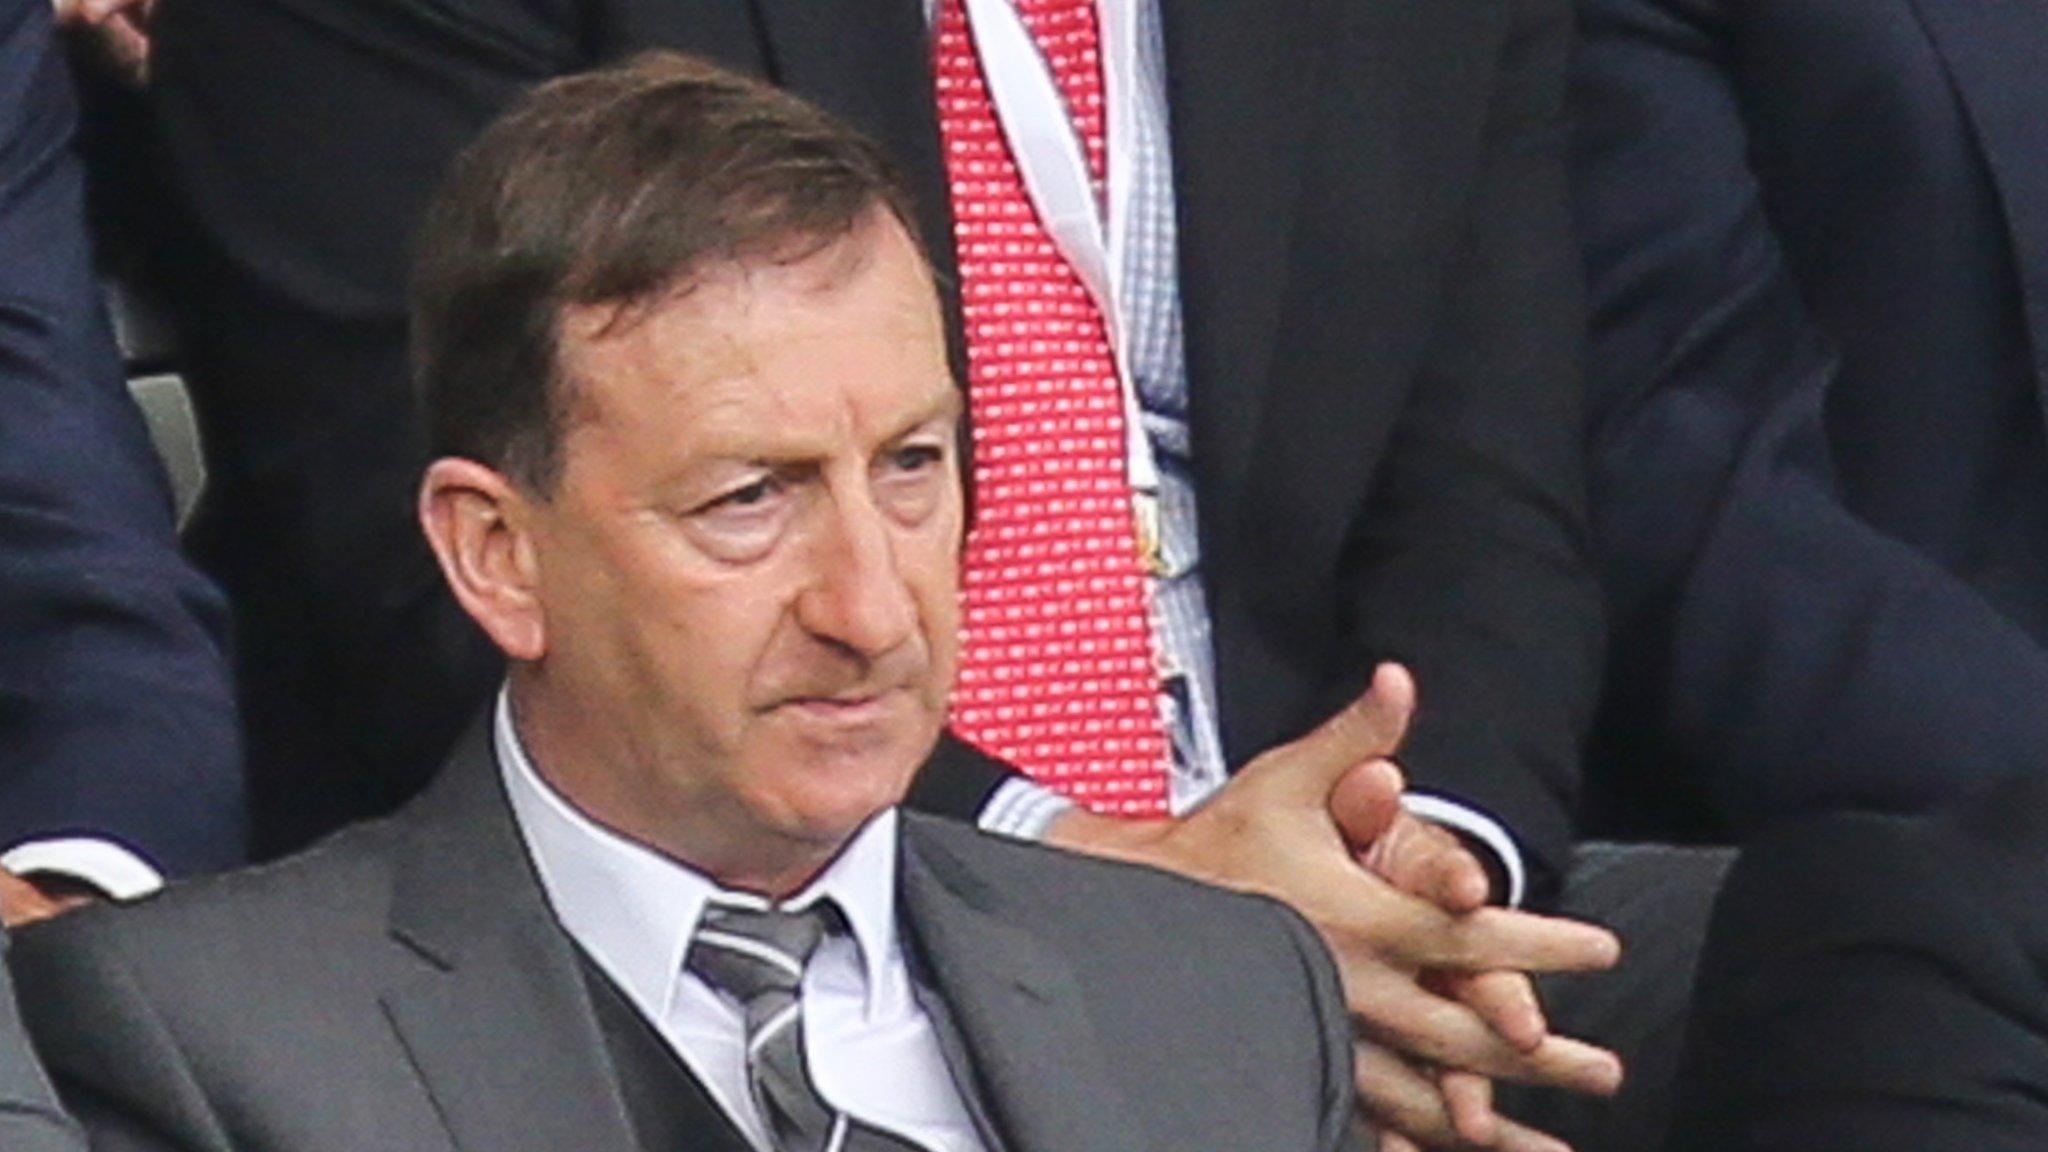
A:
1437, 980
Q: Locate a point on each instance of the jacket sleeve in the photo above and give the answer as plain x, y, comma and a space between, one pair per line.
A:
1472, 562
1796, 658
958, 780
1342, 1127
117, 716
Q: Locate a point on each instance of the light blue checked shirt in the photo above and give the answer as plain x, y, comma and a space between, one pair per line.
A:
1158, 367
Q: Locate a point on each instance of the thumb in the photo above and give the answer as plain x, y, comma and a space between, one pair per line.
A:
1369, 728
1366, 801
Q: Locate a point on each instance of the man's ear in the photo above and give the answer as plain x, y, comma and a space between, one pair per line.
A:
480, 526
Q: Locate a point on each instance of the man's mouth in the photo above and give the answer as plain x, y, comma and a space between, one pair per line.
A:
846, 708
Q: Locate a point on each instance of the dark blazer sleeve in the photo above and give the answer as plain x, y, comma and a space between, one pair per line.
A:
1876, 983
1796, 658
1473, 567
116, 712
957, 780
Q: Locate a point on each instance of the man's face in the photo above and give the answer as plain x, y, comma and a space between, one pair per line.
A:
748, 568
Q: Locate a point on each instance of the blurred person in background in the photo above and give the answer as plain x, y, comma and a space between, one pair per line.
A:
1817, 232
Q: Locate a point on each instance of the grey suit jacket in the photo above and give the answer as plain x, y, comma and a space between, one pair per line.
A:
30, 1120
405, 986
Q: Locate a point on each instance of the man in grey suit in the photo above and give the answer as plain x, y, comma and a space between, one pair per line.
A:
30, 1120
699, 477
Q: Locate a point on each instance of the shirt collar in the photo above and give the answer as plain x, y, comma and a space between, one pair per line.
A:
635, 910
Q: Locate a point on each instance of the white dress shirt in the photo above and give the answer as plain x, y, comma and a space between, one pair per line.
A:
871, 1046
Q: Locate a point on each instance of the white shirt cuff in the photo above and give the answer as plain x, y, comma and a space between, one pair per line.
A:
1481, 827
1021, 809
117, 871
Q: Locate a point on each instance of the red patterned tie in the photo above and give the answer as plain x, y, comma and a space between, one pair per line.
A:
1057, 673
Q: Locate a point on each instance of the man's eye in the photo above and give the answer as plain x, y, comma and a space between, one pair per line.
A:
910, 480
750, 496
743, 523
917, 457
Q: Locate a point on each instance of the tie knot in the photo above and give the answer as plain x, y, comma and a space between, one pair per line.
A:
749, 952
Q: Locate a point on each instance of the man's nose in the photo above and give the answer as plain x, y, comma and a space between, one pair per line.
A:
858, 597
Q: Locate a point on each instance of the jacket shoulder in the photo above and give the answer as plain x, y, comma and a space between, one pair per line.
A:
201, 948
337, 882
150, 1015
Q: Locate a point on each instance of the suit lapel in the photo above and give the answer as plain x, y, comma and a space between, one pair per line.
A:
1233, 98
1017, 1008
499, 1022
1994, 51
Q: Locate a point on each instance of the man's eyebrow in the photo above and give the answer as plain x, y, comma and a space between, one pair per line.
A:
948, 407
741, 441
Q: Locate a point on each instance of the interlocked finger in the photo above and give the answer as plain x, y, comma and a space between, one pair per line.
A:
1395, 1142
1423, 1026
1414, 855
1410, 1108
1401, 1100
1505, 1000
1469, 1100
1419, 935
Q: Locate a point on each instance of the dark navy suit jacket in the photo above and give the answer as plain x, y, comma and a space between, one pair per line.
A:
116, 713
1817, 232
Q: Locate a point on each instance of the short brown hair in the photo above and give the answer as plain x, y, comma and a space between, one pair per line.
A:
611, 187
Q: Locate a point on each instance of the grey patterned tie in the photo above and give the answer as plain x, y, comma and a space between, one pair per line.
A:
757, 958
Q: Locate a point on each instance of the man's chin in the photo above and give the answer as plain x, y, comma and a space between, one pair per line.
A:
826, 818
832, 756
